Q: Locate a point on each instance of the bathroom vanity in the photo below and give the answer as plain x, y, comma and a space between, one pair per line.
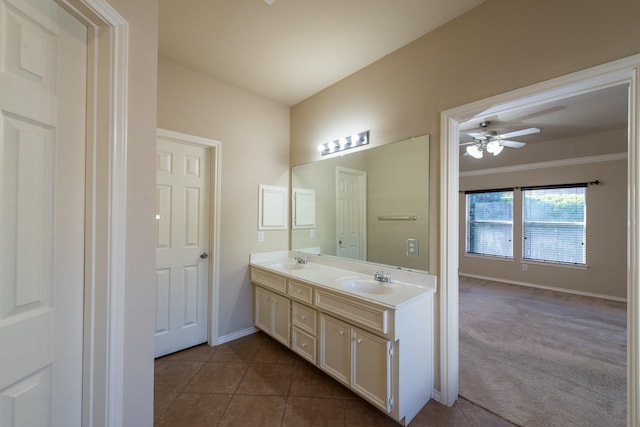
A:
374, 335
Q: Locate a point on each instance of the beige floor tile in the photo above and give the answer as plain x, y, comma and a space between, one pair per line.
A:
193, 410
358, 413
254, 411
217, 377
267, 379
313, 412
174, 375
309, 381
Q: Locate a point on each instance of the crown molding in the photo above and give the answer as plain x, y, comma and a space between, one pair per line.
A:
549, 164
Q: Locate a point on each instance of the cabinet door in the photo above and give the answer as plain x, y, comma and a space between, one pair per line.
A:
371, 368
334, 348
281, 319
262, 307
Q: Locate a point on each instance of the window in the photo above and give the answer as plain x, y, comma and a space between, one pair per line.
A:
554, 221
490, 223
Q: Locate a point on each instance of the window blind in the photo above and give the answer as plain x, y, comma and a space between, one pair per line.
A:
554, 224
490, 222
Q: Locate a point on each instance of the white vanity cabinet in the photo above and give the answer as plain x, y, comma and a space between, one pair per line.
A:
381, 350
360, 360
272, 314
371, 369
335, 351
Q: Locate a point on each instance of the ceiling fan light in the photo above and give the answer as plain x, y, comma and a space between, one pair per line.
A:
494, 147
474, 151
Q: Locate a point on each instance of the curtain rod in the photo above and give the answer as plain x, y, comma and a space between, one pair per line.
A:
534, 187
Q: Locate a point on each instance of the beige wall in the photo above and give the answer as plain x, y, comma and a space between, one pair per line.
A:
139, 309
398, 184
465, 60
254, 133
605, 232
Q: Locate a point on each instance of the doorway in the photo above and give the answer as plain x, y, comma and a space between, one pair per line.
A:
187, 192
615, 73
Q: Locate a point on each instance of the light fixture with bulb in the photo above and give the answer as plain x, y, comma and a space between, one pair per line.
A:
345, 143
492, 147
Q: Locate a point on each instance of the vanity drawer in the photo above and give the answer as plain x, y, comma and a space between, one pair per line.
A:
304, 344
300, 291
372, 317
304, 317
277, 283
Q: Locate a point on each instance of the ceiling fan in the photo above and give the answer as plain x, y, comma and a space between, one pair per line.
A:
492, 142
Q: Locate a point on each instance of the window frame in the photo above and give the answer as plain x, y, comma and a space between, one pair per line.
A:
583, 224
468, 222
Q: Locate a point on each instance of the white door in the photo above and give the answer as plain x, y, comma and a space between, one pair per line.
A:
351, 213
42, 147
182, 245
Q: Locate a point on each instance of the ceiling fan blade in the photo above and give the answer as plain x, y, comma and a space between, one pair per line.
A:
520, 132
512, 144
476, 134
462, 144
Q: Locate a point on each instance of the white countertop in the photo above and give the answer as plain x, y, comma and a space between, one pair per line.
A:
324, 272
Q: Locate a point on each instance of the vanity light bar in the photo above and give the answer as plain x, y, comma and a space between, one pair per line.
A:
353, 141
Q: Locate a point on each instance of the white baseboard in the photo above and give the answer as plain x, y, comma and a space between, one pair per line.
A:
548, 288
435, 395
235, 335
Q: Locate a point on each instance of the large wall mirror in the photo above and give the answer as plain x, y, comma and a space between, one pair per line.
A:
370, 205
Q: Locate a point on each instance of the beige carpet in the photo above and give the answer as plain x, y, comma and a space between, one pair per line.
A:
542, 358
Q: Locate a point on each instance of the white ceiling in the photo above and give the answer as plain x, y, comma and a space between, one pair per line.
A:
584, 114
292, 49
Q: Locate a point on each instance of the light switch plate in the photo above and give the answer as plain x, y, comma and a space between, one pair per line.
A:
413, 248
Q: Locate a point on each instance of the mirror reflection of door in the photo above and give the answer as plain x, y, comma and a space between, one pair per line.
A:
351, 223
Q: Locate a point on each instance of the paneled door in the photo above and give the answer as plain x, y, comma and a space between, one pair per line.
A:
182, 245
351, 190
43, 58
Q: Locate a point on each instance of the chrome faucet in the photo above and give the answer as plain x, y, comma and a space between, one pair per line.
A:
381, 276
301, 260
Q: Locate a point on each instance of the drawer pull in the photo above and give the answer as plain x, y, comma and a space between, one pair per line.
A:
298, 291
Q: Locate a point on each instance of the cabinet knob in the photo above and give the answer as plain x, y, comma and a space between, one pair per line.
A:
303, 317
299, 291
304, 344
341, 332
359, 340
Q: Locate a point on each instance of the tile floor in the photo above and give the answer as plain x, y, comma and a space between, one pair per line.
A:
255, 381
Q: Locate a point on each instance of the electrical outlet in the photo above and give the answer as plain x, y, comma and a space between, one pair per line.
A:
312, 233
524, 267
412, 247
260, 236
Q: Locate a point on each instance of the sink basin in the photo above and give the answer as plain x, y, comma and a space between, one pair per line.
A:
287, 265
367, 286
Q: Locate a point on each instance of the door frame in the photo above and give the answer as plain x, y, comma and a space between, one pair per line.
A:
214, 151
362, 179
105, 213
624, 71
